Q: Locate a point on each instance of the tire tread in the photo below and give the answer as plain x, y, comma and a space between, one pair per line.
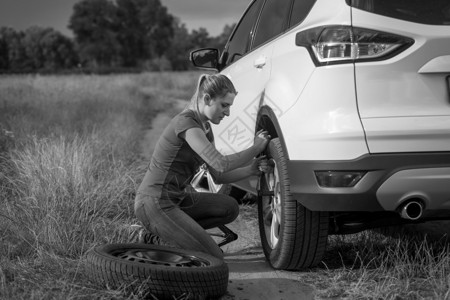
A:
304, 233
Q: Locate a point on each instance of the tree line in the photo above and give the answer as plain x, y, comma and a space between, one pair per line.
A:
109, 35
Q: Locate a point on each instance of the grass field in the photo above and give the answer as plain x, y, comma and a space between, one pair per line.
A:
69, 168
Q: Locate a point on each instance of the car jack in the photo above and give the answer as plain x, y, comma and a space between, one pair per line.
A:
227, 234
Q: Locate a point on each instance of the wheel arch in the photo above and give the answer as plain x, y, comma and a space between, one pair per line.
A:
268, 120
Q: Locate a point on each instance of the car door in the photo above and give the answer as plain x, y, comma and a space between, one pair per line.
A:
248, 70
250, 73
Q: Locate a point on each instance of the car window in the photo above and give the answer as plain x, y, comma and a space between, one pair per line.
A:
239, 43
273, 20
432, 12
300, 10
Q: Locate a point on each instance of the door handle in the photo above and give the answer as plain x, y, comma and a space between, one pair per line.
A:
260, 62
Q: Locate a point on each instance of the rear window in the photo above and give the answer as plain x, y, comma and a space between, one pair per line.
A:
432, 12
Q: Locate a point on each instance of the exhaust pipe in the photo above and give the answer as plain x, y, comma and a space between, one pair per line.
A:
412, 210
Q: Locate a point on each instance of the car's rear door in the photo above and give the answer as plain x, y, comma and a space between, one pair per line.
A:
404, 100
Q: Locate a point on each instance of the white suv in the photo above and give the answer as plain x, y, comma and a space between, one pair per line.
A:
356, 97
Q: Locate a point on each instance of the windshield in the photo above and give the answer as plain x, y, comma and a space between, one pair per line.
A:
432, 12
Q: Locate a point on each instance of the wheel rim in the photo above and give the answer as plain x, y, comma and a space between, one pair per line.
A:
273, 206
160, 257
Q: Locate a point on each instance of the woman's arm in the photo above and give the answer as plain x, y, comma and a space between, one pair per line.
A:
252, 169
197, 140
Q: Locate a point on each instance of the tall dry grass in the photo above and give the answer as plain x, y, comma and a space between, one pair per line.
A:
370, 265
69, 168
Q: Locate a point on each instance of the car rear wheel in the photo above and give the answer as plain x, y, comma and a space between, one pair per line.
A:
292, 236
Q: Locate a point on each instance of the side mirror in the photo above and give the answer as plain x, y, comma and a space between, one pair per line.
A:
206, 58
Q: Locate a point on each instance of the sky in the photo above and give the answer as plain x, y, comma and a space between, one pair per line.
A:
210, 14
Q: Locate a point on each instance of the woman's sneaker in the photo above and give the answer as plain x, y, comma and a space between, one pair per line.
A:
141, 235
146, 237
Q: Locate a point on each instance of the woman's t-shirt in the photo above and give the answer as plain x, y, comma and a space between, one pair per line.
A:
173, 163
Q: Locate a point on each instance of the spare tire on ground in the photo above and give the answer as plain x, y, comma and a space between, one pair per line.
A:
159, 271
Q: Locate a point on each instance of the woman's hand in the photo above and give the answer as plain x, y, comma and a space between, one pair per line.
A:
262, 138
265, 166
259, 165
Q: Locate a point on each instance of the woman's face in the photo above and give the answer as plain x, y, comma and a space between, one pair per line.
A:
217, 108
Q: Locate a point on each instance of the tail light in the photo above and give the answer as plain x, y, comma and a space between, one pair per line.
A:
346, 44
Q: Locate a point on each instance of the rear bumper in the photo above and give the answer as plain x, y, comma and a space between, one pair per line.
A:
390, 180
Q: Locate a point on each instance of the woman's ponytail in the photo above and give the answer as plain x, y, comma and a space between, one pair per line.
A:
196, 96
